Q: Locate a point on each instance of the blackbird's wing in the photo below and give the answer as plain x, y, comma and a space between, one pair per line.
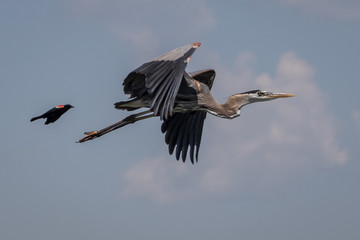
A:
184, 130
52, 118
161, 78
55, 113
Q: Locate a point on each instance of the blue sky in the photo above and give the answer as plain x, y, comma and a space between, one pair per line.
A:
285, 169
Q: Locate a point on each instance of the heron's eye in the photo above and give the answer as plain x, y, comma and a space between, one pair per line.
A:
261, 94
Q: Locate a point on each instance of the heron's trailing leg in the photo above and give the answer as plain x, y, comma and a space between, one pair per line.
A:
128, 120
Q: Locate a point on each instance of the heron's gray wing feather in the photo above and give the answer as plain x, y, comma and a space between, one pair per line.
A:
205, 76
184, 130
161, 77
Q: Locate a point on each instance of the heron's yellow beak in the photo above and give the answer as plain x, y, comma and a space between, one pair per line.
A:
280, 95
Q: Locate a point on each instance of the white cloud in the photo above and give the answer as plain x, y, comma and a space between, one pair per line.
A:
340, 9
155, 178
268, 141
315, 120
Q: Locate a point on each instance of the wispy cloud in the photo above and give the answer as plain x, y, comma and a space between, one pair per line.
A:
269, 139
340, 9
299, 123
310, 120
156, 179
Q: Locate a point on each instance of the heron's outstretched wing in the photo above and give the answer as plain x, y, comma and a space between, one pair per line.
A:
205, 76
161, 78
184, 130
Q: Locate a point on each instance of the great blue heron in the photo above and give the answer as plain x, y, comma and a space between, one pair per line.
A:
181, 100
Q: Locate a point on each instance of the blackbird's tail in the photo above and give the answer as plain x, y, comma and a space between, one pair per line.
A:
36, 118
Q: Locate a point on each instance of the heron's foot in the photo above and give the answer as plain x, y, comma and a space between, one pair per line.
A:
90, 135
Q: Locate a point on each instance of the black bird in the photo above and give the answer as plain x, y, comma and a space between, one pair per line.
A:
180, 99
53, 114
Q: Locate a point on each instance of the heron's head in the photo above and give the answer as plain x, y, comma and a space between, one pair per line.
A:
258, 96
237, 101
261, 96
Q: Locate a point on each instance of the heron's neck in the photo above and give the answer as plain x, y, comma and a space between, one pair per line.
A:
230, 109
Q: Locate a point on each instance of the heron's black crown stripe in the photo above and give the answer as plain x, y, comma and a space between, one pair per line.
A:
252, 91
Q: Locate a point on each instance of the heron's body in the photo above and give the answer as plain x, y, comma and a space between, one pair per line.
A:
192, 96
180, 99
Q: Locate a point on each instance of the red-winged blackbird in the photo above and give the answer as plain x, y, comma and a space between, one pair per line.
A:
53, 114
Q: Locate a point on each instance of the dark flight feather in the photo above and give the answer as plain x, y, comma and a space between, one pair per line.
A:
184, 130
161, 78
